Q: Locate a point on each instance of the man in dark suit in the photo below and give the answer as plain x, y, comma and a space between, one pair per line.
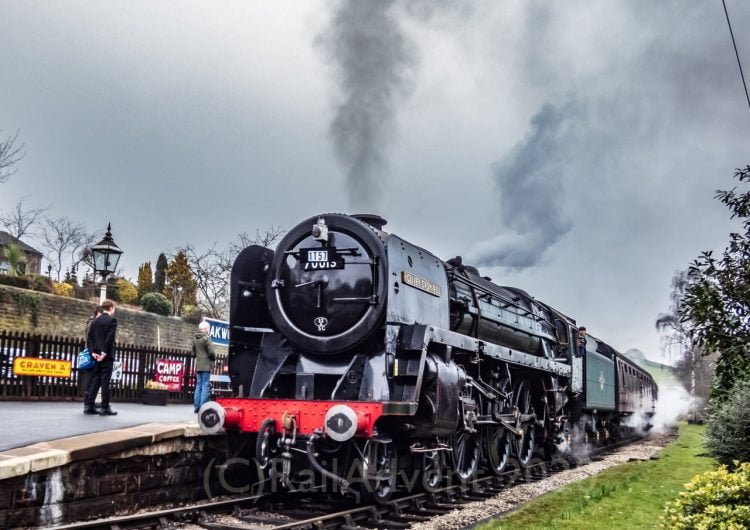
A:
88, 375
101, 338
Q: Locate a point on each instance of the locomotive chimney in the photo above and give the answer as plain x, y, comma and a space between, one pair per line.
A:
371, 219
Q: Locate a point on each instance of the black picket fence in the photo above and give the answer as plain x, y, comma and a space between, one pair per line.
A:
138, 367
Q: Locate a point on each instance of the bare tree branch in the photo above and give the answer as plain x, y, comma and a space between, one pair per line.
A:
213, 266
10, 154
267, 238
19, 221
79, 251
61, 236
211, 278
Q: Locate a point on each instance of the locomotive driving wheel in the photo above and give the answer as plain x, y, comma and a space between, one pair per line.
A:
499, 446
498, 440
466, 440
378, 470
526, 443
465, 454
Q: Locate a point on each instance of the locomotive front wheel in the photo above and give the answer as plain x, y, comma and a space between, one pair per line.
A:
526, 443
379, 471
263, 444
433, 467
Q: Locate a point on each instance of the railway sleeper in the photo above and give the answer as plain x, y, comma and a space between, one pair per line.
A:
436, 511
261, 519
389, 523
223, 526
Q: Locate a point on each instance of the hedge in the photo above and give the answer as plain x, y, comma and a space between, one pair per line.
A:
717, 499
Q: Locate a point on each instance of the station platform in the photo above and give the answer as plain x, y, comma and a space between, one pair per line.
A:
29, 422
59, 465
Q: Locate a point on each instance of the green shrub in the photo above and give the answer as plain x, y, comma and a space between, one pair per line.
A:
156, 303
40, 283
728, 426
191, 314
717, 499
30, 302
14, 281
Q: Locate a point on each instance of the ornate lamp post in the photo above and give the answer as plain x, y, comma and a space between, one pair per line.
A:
105, 255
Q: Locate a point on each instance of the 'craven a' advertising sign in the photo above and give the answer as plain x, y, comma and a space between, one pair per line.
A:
170, 373
37, 366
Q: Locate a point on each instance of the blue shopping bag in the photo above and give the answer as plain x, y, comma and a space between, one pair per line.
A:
85, 360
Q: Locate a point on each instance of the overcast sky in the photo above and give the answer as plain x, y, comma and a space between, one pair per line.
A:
570, 148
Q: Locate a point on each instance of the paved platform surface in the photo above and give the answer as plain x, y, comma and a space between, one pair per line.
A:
29, 422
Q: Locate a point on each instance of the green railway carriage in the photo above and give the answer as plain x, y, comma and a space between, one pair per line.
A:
614, 387
600, 379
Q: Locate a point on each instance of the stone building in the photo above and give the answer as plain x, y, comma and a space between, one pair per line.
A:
33, 264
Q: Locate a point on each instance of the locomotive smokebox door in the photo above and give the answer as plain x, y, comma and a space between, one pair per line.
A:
328, 294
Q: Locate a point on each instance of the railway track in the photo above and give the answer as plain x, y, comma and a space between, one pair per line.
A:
311, 511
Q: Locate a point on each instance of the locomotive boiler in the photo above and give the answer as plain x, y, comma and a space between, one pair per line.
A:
356, 354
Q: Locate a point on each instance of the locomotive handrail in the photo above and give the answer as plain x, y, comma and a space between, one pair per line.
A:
353, 251
250, 329
465, 279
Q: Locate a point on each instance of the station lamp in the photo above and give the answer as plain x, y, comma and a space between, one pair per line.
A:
105, 256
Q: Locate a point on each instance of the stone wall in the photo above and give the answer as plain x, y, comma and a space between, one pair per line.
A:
31, 311
159, 475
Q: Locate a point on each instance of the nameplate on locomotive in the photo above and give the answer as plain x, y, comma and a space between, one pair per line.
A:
420, 283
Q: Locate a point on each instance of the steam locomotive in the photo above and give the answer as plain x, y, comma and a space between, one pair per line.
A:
351, 346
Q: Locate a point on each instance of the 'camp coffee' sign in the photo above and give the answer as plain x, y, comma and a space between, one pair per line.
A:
37, 366
169, 373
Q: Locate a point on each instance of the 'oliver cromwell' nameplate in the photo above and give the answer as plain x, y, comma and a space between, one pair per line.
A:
420, 283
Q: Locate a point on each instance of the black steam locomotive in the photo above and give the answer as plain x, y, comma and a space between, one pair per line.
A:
353, 347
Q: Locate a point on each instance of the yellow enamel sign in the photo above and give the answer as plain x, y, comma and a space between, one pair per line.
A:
37, 366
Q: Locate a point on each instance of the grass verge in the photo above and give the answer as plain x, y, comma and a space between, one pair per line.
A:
631, 495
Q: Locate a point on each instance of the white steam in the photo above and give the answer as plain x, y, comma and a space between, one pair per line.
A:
674, 404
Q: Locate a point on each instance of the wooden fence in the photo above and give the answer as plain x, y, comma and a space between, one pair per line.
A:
138, 366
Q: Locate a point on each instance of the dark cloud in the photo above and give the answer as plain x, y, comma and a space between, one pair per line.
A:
375, 63
530, 183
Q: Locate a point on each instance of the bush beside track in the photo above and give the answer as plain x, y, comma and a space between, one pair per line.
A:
632, 495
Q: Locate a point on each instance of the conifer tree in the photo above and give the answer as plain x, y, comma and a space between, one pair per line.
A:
145, 279
160, 274
180, 283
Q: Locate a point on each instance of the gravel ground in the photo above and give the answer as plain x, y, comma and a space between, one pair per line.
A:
471, 513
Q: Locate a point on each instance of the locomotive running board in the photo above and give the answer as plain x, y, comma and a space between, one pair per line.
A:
420, 336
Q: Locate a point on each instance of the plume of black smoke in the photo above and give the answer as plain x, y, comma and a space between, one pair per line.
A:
374, 62
530, 185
